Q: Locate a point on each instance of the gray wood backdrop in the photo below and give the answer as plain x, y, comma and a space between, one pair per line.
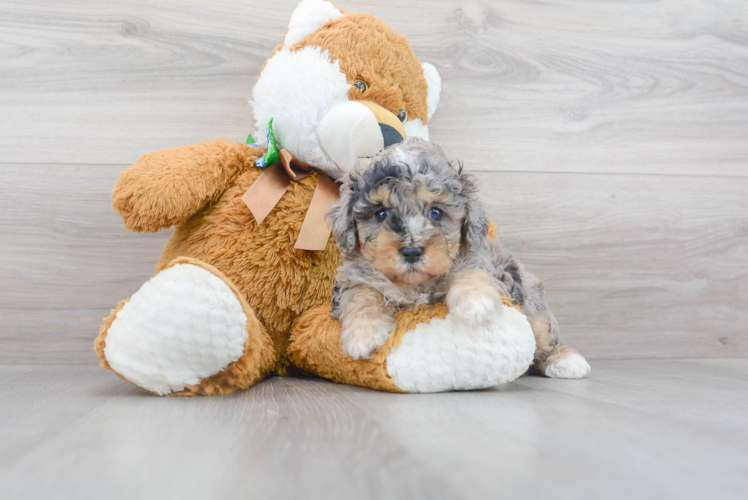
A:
611, 139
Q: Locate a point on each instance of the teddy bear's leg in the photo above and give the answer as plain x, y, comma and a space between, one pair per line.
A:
430, 350
187, 331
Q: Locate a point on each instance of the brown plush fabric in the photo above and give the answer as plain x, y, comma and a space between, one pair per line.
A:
166, 187
278, 281
371, 51
315, 346
100, 342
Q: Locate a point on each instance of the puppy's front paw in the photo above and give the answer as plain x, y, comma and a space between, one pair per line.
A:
361, 337
473, 305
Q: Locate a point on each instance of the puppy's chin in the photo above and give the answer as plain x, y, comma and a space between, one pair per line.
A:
411, 277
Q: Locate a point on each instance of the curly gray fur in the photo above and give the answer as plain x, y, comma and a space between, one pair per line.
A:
402, 170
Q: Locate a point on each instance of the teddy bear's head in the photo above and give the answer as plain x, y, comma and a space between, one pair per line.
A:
341, 88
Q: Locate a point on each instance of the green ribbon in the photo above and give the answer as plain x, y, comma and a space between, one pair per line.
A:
273, 148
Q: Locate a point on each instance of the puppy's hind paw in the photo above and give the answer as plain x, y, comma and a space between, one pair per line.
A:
360, 338
571, 366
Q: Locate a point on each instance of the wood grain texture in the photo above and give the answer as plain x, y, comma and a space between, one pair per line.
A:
635, 429
634, 266
568, 86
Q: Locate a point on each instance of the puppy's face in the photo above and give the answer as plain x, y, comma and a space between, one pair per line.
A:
406, 213
408, 231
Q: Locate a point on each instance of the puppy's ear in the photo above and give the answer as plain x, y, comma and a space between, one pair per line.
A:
341, 217
475, 224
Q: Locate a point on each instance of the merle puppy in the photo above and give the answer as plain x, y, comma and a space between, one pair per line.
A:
412, 231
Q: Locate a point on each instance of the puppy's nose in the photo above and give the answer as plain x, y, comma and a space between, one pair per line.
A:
411, 254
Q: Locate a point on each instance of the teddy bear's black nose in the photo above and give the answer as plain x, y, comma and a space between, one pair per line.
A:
411, 254
390, 135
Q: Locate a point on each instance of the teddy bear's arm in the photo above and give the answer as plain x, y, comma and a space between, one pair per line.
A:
166, 187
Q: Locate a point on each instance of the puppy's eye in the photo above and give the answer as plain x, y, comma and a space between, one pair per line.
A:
435, 214
381, 215
402, 115
361, 85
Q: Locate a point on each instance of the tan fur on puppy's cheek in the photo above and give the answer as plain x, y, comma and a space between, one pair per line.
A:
437, 256
383, 252
453, 248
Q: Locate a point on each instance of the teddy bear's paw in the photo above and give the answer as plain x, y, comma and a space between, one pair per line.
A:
570, 366
183, 325
359, 339
449, 354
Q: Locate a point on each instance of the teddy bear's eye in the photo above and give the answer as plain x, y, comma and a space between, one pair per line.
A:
381, 214
361, 85
402, 115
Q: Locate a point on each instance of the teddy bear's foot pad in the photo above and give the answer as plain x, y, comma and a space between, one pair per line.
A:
447, 354
183, 325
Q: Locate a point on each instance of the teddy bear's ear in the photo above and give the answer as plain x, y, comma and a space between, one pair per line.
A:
434, 82
309, 16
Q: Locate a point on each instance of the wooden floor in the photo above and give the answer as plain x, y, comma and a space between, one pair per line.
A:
635, 429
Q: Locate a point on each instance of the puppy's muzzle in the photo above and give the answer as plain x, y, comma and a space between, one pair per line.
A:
411, 255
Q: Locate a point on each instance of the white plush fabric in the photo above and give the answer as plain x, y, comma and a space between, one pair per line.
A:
416, 128
446, 355
435, 87
309, 16
296, 89
572, 366
349, 132
183, 325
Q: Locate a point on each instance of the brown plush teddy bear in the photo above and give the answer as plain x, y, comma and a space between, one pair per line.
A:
243, 287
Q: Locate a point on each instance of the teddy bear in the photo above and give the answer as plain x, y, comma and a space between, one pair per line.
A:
243, 287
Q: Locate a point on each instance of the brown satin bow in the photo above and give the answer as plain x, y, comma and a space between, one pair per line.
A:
268, 189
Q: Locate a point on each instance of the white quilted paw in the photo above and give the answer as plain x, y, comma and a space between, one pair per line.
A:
449, 354
571, 366
359, 339
183, 325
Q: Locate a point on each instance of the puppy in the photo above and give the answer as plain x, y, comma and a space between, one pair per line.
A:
412, 231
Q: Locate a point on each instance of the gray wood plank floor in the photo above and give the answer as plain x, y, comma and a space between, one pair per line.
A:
635, 429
